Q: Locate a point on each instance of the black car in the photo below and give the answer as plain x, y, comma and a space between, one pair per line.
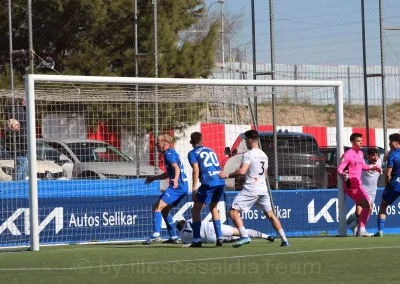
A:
330, 154
300, 163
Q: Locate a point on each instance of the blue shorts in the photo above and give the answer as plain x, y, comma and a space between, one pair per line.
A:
207, 194
389, 194
173, 196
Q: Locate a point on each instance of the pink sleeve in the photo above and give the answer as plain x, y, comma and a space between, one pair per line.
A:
365, 167
343, 164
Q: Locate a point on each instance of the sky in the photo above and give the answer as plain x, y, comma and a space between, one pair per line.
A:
317, 31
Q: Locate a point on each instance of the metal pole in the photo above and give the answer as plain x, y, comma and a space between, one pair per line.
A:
365, 72
137, 132
14, 150
349, 84
253, 42
155, 76
222, 39
381, 31
31, 52
32, 166
340, 151
295, 77
272, 43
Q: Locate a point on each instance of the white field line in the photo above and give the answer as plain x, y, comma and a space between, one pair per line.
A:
79, 264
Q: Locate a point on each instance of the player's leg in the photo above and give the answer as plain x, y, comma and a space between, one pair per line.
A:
355, 220
172, 199
232, 232
157, 220
389, 195
264, 204
202, 197
360, 197
217, 194
242, 202
363, 200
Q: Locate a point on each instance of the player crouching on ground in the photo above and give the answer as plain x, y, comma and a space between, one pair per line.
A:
255, 190
208, 234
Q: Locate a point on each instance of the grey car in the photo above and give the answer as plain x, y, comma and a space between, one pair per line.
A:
94, 159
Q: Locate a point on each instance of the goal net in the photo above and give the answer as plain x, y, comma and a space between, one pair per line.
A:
101, 133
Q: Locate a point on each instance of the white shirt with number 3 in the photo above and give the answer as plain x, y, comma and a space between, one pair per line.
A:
255, 180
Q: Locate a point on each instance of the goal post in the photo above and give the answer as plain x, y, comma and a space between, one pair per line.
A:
214, 91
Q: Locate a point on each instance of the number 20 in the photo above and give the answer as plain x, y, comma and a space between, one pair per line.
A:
207, 156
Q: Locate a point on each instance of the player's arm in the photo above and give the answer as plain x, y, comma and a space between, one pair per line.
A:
177, 172
150, 179
366, 167
239, 172
388, 175
389, 169
195, 180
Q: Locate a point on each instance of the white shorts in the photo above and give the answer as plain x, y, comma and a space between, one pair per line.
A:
245, 200
372, 198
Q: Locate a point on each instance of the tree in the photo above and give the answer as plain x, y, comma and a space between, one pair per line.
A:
96, 37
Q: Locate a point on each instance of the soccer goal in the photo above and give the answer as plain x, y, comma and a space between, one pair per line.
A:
104, 130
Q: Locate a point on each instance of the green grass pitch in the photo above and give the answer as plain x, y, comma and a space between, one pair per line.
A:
307, 260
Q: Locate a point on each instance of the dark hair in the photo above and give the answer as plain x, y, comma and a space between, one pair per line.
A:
394, 137
180, 224
251, 134
372, 151
196, 138
354, 136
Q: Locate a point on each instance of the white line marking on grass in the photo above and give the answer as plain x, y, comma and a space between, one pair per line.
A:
78, 266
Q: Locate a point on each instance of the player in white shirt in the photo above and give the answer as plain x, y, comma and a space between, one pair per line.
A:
208, 236
255, 190
370, 183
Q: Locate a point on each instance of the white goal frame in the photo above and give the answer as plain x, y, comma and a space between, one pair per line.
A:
31, 123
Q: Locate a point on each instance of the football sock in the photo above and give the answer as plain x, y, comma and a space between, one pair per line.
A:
217, 228
256, 234
170, 226
196, 225
282, 234
157, 219
364, 216
243, 232
381, 224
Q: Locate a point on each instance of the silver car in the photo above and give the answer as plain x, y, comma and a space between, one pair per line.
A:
47, 166
94, 159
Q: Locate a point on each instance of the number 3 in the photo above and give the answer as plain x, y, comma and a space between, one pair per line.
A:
262, 167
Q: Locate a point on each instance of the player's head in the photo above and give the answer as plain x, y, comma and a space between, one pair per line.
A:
22, 102
356, 140
164, 141
394, 141
180, 224
373, 155
196, 138
251, 138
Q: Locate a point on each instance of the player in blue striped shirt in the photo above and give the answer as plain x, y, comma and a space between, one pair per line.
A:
392, 181
206, 167
178, 189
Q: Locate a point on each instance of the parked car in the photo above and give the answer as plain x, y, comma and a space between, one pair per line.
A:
94, 159
46, 169
300, 163
330, 154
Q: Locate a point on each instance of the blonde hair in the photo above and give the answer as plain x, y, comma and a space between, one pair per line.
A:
166, 138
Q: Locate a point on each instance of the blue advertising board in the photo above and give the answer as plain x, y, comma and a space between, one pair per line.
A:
112, 210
